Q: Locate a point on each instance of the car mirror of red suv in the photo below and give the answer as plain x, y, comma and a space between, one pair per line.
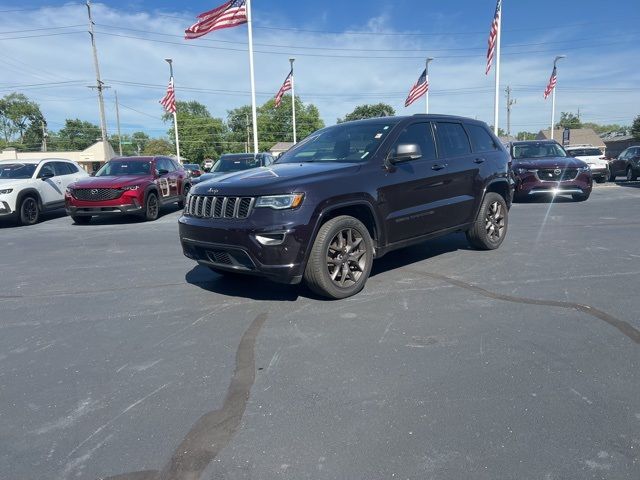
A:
162, 171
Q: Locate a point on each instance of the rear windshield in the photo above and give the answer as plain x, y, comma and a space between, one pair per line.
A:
235, 164
537, 150
17, 170
341, 143
124, 167
579, 152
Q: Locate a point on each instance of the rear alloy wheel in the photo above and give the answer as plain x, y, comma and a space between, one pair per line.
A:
151, 207
81, 220
341, 258
29, 211
491, 226
631, 176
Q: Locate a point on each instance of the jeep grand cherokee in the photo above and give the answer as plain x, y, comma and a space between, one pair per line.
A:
348, 194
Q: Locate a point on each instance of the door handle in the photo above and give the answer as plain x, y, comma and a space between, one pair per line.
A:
437, 166
478, 160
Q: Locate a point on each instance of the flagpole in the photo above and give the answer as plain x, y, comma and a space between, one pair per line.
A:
496, 99
427, 80
254, 115
293, 102
175, 115
553, 94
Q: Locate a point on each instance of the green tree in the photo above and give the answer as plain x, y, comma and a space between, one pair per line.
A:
19, 115
526, 136
369, 111
635, 128
569, 120
158, 146
600, 129
239, 126
76, 135
201, 135
131, 144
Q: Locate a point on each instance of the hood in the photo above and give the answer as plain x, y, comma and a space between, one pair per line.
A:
207, 176
549, 162
275, 179
112, 182
14, 182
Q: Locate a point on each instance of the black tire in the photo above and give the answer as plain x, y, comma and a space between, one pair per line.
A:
580, 197
81, 220
612, 176
340, 259
151, 207
490, 228
631, 176
29, 212
185, 192
600, 179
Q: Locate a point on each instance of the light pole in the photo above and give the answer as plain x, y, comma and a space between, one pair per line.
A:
553, 93
293, 102
427, 80
175, 115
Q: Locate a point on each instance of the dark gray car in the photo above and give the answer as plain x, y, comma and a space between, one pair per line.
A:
236, 162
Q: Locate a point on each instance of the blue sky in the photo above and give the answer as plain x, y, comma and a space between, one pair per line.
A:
336, 69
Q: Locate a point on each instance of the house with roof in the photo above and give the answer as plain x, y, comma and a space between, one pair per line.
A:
577, 136
91, 158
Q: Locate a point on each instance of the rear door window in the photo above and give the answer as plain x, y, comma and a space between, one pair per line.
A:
452, 139
62, 168
481, 141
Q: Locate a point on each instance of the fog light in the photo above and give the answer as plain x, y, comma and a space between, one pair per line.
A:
270, 239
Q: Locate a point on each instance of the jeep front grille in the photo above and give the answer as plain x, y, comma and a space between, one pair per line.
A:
203, 206
96, 194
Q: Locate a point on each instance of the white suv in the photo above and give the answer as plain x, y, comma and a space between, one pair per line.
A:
29, 187
593, 157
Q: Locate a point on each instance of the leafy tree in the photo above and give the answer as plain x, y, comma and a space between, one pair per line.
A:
201, 135
158, 146
526, 136
600, 129
369, 111
132, 144
569, 120
635, 128
274, 124
18, 115
76, 135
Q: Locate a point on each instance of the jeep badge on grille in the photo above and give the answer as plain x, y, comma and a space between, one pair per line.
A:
213, 190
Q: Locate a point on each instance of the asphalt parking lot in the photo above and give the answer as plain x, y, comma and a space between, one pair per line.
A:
120, 357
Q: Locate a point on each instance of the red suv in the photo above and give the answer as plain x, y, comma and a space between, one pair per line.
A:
126, 186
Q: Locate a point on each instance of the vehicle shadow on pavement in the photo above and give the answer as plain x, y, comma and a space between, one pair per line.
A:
44, 217
418, 253
243, 286
634, 184
126, 219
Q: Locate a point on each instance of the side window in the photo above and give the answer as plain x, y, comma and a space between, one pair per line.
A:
165, 164
481, 141
47, 169
61, 168
177, 165
452, 140
421, 135
72, 167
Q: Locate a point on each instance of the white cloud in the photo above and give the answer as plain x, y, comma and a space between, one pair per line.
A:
335, 85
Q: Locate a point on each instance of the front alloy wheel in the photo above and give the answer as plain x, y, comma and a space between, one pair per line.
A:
489, 230
29, 211
345, 257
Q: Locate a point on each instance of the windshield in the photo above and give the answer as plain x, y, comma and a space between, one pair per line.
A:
124, 167
235, 164
191, 166
537, 150
341, 143
17, 170
578, 152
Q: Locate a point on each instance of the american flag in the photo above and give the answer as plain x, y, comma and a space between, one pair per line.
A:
418, 89
493, 36
286, 86
552, 83
229, 14
169, 100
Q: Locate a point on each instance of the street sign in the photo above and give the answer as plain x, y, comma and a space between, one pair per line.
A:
566, 134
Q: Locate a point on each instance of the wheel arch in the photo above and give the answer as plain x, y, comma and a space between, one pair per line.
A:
500, 186
30, 192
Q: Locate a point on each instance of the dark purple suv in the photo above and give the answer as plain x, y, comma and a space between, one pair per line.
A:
544, 168
348, 194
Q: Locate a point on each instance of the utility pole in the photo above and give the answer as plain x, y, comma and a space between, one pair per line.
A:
510, 102
99, 84
248, 134
45, 134
118, 123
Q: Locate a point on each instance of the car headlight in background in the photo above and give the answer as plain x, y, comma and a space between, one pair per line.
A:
6, 191
584, 169
280, 202
523, 170
131, 188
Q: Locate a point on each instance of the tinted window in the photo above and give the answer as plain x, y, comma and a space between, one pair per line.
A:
480, 139
124, 167
62, 168
177, 165
165, 164
234, 163
348, 142
452, 140
47, 168
17, 170
537, 150
421, 135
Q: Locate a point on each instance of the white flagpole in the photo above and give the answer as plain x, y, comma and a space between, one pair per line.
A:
553, 93
254, 115
175, 116
293, 102
427, 80
496, 99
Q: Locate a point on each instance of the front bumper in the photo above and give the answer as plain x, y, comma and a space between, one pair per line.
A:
126, 204
529, 184
5, 209
231, 244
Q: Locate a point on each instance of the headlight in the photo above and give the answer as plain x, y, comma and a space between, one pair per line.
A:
131, 188
522, 170
584, 169
6, 191
280, 202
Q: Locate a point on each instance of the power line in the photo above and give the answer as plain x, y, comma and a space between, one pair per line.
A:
41, 29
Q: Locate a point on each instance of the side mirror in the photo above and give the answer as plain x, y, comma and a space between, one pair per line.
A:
93, 174
162, 171
47, 175
405, 152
